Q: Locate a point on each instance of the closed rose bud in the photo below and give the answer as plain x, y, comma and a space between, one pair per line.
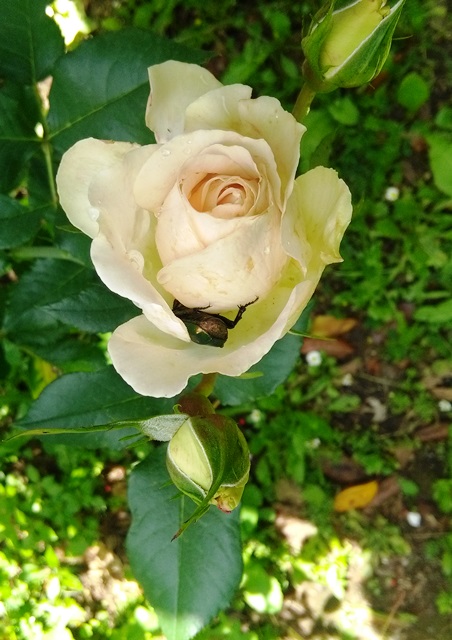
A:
208, 460
348, 42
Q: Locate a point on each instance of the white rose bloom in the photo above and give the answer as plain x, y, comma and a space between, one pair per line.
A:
212, 216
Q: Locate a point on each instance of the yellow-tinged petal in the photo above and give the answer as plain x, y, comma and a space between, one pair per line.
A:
265, 118
317, 214
217, 109
124, 252
174, 85
155, 364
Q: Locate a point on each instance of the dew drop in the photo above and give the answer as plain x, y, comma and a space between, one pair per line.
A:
136, 259
93, 213
266, 250
166, 152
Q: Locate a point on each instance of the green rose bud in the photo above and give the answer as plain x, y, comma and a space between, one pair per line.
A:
208, 460
348, 42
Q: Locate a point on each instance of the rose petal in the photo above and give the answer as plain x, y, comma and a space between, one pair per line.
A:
181, 229
231, 108
184, 233
124, 252
265, 118
161, 172
174, 85
234, 270
77, 169
317, 214
157, 365
218, 109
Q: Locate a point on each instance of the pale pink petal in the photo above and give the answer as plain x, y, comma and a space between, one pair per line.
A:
234, 270
265, 118
163, 169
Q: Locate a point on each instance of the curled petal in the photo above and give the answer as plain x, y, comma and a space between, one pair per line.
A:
157, 365
124, 252
265, 118
231, 108
234, 270
174, 85
318, 212
79, 165
163, 169
218, 109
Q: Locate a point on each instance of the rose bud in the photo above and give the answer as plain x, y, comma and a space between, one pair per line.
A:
348, 42
208, 460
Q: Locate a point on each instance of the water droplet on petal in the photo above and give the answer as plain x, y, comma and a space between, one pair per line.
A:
166, 152
266, 250
136, 258
93, 213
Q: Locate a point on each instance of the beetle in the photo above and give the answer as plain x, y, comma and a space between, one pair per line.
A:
207, 328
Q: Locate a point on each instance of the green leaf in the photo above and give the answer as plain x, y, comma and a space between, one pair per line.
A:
101, 88
435, 313
47, 281
79, 401
440, 155
18, 141
72, 353
189, 580
18, 224
30, 42
344, 111
95, 309
317, 142
273, 369
413, 92
56, 292
443, 118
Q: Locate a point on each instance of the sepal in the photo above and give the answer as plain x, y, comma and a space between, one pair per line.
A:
348, 42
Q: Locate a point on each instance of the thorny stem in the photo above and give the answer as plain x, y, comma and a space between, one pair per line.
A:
205, 387
303, 103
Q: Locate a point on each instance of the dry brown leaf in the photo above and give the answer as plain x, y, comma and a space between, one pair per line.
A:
345, 471
335, 348
388, 488
433, 432
331, 327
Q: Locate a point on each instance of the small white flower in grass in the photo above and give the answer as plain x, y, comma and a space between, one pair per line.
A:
444, 406
314, 358
414, 519
347, 380
392, 194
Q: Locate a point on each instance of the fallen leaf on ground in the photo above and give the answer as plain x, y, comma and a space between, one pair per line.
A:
356, 497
